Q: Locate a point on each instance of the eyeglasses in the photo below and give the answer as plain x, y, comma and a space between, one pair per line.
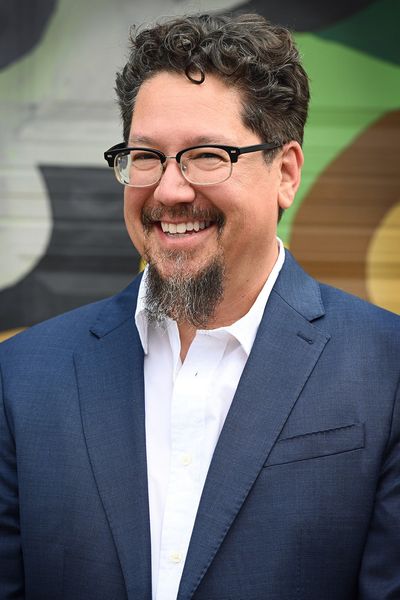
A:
201, 165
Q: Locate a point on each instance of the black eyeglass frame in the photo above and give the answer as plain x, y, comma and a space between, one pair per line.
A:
233, 151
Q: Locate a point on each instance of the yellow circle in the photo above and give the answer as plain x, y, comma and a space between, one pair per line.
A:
383, 262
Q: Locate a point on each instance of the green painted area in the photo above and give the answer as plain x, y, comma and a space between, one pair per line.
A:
375, 30
349, 91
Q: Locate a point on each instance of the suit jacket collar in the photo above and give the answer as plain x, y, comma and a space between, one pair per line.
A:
110, 379
117, 310
300, 291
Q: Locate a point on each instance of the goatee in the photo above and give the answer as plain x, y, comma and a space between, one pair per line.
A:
185, 298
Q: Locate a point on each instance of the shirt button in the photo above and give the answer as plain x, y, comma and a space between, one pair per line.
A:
176, 557
186, 459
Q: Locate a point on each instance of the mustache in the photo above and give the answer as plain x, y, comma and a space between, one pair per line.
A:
153, 215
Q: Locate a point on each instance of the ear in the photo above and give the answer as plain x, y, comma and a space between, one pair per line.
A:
291, 161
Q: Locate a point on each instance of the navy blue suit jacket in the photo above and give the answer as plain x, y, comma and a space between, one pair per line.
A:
302, 498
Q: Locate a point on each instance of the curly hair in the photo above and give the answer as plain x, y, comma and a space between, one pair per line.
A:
245, 51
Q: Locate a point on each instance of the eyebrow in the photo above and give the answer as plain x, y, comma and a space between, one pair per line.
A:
140, 139
192, 141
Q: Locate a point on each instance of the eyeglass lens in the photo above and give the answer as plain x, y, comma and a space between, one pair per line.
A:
202, 166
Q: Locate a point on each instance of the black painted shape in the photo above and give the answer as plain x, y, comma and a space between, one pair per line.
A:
304, 16
89, 256
22, 24
374, 31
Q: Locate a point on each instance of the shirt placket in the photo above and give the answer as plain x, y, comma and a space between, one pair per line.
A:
187, 467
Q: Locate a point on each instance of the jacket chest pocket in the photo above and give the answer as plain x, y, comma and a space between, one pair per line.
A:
316, 444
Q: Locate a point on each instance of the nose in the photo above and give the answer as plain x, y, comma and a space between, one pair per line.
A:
173, 188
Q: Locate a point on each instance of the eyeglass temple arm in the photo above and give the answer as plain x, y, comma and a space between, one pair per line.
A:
254, 148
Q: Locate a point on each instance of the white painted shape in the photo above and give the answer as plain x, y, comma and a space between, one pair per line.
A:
59, 108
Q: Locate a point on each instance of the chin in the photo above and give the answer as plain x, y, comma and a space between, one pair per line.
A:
170, 271
177, 264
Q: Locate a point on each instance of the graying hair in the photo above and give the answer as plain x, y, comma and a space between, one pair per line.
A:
245, 51
186, 299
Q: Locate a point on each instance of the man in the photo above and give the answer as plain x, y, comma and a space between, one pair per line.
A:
226, 427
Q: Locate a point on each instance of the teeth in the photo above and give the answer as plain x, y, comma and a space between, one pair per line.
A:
184, 227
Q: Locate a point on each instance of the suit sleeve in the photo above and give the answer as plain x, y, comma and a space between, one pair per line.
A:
11, 565
380, 568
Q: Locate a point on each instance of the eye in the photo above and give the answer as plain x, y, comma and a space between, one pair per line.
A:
137, 156
206, 157
144, 160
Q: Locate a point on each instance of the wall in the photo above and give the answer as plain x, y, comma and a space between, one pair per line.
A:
62, 237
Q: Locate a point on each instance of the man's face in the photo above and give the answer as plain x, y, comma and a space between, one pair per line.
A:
237, 218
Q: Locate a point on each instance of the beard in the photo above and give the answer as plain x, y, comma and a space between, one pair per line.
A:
183, 295
190, 299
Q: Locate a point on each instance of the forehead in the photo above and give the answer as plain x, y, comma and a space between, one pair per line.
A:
170, 107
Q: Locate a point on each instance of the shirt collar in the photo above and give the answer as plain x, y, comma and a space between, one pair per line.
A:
244, 330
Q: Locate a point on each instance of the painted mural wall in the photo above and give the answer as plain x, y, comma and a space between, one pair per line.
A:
62, 237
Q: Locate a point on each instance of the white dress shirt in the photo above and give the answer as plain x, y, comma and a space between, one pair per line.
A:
186, 406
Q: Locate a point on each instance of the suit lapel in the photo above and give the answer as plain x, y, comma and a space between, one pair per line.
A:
284, 354
111, 390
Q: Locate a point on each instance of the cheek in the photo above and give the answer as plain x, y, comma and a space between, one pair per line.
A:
253, 213
238, 203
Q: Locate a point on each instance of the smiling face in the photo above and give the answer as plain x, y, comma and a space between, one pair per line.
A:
181, 228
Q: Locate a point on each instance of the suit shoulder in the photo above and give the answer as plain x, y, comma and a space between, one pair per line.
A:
348, 311
67, 330
66, 327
